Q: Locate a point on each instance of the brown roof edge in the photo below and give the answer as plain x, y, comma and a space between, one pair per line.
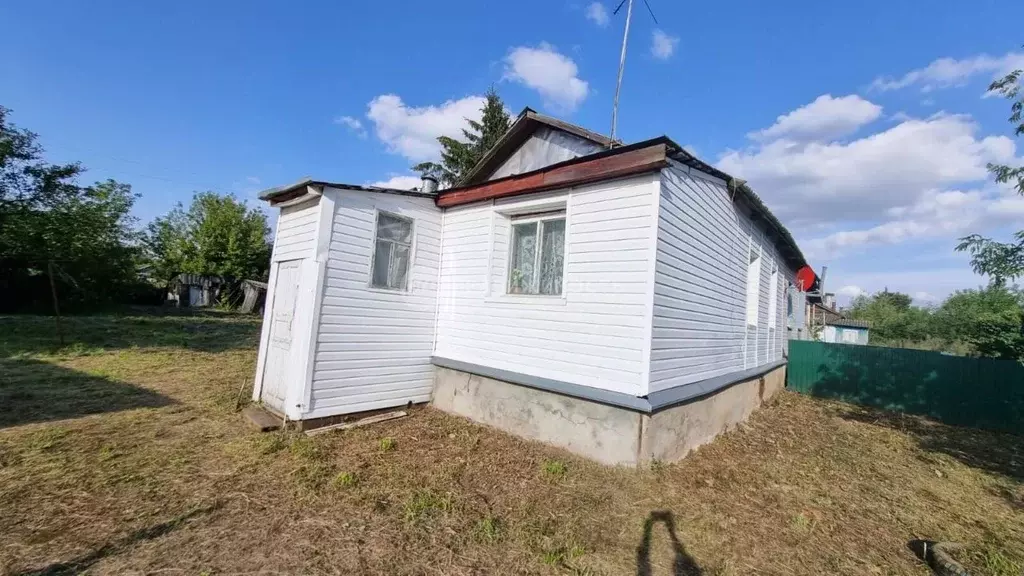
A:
648, 156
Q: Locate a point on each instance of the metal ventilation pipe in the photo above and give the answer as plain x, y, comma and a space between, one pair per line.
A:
429, 184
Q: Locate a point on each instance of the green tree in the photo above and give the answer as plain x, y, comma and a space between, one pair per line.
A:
218, 235
893, 319
458, 157
87, 232
1002, 261
989, 320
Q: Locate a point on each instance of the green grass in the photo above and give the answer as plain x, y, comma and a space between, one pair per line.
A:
387, 445
346, 480
555, 469
424, 505
489, 529
122, 452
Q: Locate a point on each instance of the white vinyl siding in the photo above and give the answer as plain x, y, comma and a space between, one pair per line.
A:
296, 231
701, 305
374, 345
595, 333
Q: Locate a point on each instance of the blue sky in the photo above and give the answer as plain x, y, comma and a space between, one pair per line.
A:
862, 125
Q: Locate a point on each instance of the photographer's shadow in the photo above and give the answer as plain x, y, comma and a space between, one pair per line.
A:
682, 564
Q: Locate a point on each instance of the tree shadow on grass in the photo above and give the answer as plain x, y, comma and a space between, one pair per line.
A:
1001, 454
35, 391
84, 562
682, 563
202, 331
966, 408
977, 392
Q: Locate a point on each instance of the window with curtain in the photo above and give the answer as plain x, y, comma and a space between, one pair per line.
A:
392, 252
537, 255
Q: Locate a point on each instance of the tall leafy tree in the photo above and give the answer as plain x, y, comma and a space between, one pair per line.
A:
217, 235
86, 232
893, 319
989, 320
459, 157
1002, 261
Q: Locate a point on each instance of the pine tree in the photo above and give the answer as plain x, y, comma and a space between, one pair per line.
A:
457, 157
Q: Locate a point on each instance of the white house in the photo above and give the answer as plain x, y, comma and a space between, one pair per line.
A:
624, 302
845, 331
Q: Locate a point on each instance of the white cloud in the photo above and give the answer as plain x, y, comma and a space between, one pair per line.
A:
663, 45
399, 182
824, 119
922, 298
597, 14
850, 291
353, 124
824, 183
950, 72
552, 74
936, 283
412, 132
937, 214
252, 180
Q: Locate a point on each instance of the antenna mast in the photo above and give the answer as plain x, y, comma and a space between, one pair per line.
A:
622, 66
622, 57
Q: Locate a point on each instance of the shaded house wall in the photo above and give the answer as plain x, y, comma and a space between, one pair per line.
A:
373, 345
700, 327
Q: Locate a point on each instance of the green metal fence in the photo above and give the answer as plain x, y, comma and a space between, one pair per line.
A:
976, 392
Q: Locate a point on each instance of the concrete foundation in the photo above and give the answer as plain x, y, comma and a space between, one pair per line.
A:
605, 433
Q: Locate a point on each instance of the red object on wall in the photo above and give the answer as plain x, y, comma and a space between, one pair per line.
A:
805, 278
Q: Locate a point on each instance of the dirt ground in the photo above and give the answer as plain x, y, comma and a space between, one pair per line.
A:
122, 453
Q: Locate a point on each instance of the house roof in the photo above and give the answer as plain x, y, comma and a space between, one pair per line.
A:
615, 162
525, 125
296, 189
848, 323
601, 166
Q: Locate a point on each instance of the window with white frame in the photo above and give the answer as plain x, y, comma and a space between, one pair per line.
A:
537, 254
392, 252
753, 282
773, 296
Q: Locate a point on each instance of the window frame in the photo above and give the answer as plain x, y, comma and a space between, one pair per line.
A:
391, 252
753, 300
537, 219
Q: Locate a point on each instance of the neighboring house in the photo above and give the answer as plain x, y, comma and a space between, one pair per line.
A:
845, 331
195, 290
625, 303
819, 314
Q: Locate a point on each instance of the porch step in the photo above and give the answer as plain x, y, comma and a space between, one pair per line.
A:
261, 419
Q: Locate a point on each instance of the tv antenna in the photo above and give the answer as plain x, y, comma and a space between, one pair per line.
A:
622, 57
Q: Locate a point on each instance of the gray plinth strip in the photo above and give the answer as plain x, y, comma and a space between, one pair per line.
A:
546, 384
679, 394
654, 402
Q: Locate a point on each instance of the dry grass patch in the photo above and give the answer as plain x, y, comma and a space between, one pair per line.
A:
129, 484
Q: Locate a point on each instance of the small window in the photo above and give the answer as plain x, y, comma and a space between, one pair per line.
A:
753, 282
773, 296
537, 254
392, 252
